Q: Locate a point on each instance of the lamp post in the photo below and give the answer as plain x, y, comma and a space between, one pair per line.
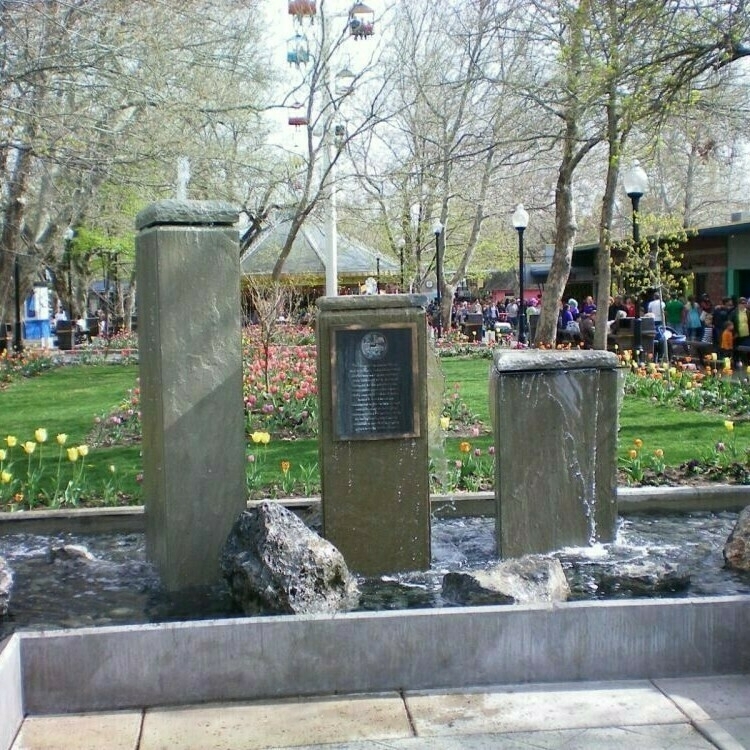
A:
68, 236
437, 230
635, 181
520, 222
17, 336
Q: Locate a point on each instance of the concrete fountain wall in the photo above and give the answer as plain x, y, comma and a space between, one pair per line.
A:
113, 668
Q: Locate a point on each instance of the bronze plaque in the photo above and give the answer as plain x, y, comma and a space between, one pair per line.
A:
374, 382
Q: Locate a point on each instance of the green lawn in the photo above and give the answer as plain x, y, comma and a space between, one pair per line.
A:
682, 435
68, 399
65, 399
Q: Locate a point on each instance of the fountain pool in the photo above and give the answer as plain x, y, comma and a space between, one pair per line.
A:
121, 587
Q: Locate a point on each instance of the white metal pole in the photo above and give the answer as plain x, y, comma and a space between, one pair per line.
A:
332, 230
332, 239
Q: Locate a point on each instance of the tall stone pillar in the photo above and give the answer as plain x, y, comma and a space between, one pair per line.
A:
190, 354
554, 417
372, 386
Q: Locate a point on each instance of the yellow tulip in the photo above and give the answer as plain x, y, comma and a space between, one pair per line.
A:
285, 466
445, 422
659, 453
11, 440
73, 454
260, 437
83, 451
729, 425
40, 435
62, 438
3, 454
5, 477
29, 447
633, 454
638, 443
464, 447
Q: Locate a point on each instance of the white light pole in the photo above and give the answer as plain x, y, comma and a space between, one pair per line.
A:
520, 222
332, 238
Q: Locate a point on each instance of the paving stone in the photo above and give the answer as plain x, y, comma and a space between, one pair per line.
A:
118, 730
725, 697
285, 723
528, 708
649, 737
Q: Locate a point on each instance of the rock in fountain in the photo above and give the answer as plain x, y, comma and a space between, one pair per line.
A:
524, 580
275, 564
737, 548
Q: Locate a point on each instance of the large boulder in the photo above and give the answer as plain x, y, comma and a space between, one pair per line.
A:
6, 586
737, 547
274, 563
522, 580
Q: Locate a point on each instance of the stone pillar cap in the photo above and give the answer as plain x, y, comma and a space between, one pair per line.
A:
371, 302
524, 360
195, 213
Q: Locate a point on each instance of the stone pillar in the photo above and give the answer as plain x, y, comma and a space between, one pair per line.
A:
372, 394
554, 417
190, 353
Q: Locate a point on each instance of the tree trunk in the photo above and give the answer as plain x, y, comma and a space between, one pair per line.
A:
565, 230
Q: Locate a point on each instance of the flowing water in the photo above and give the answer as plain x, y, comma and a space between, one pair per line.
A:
121, 587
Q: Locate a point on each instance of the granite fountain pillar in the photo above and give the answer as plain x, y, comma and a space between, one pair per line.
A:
555, 416
191, 385
372, 386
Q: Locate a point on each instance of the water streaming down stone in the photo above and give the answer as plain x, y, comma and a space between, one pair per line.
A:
554, 419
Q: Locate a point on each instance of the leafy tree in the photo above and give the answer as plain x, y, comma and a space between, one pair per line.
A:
106, 94
654, 263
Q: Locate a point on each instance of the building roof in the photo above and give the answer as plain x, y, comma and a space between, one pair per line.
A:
308, 255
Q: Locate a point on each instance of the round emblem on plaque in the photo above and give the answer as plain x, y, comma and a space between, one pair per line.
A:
374, 345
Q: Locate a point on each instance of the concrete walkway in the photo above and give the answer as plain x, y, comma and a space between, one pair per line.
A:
679, 713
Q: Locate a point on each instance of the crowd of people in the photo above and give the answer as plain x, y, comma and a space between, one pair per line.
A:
721, 327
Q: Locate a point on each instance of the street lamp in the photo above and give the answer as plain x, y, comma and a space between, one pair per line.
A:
520, 222
635, 181
437, 230
17, 336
